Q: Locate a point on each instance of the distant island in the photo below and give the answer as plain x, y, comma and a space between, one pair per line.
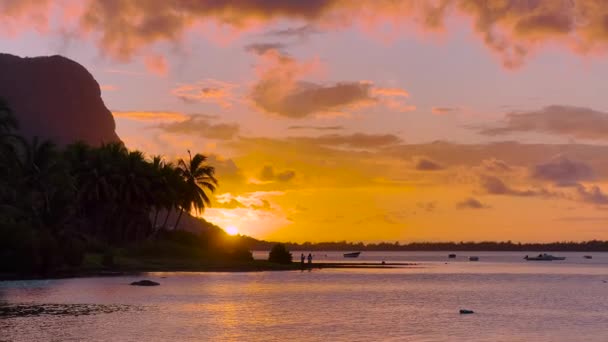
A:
566, 246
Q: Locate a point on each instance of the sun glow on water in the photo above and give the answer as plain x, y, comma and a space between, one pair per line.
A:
232, 230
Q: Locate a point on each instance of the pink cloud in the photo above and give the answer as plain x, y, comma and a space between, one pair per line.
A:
210, 90
512, 29
156, 64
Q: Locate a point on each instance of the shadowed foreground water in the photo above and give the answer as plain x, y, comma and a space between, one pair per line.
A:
513, 300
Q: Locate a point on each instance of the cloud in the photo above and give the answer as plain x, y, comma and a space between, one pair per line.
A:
262, 48
209, 90
301, 32
471, 203
280, 90
356, 140
150, 115
156, 64
495, 186
268, 174
226, 170
230, 203
310, 98
512, 29
108, 87
316, 128
424, 164
575, 122
593, 194
197, 125
257, 200
495, 165
443, 110
563, 172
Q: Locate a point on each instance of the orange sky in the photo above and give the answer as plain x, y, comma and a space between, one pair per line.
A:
358, 120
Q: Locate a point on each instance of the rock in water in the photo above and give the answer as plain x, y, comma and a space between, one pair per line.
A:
145, 283
466, 312
55, 98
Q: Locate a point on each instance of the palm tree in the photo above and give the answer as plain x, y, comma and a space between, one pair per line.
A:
198, 178
8, 122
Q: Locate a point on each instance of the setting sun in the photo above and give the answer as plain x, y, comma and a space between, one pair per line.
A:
232, 230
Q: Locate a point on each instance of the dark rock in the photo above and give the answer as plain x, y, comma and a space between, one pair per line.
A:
145, 283
55, 98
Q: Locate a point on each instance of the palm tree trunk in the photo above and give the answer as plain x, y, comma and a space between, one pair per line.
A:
178, 218
155, 219
166, 219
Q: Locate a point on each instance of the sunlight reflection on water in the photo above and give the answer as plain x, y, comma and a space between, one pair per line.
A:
513, 301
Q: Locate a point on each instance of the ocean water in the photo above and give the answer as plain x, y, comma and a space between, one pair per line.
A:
513, 300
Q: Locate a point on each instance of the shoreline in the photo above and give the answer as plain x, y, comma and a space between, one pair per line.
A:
255, 266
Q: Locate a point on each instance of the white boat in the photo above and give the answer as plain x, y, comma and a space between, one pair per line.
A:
544, 257
473, 258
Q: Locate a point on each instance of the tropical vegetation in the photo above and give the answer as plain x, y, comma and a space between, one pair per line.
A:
58, 203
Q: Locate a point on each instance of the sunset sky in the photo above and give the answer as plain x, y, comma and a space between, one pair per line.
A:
357, 120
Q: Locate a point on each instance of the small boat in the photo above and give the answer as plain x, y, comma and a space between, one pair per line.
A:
452, 256
473, 258
466, 311
352, 255
587, 257
544, 257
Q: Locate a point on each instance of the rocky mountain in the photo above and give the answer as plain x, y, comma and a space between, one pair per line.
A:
55, 98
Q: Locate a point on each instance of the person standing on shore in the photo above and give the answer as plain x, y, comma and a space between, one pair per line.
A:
309, 259
302, 259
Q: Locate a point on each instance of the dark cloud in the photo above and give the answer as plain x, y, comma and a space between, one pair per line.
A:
226, 169
356, 140
593, 194
307, 98
575, 122
471, 203
495, 186
424, 164
316, 128
201, 126
563, 172
301, 32
262, 48
268, 174
495, 165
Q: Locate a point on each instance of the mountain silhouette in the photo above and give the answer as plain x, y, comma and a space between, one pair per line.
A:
55, 98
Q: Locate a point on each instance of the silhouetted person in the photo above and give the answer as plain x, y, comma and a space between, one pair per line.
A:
309, 258
302, 257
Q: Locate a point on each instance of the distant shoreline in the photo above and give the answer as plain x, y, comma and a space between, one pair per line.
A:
254, 266
487, 246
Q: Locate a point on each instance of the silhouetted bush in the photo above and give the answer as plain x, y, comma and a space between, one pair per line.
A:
241, 254
280, 254
107, 260
73, 251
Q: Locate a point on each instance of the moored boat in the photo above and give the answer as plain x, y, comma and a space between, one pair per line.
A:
451, 256
587, 257
352, 255
473, 258
544, 257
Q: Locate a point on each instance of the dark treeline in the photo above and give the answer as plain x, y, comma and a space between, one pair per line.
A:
58, 203
586, 246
